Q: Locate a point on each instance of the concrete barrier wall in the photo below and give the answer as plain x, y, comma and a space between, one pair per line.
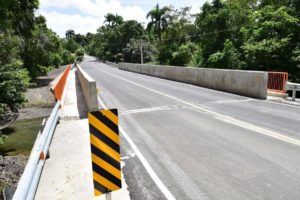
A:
246, 83
58, 85
111, 64
89, 89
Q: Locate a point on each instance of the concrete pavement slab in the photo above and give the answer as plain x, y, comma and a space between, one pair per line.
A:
67, 174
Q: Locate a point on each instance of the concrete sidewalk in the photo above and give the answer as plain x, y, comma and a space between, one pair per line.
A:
68, 172
287, 100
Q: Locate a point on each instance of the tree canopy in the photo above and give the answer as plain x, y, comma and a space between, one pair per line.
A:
28, 49
231, 34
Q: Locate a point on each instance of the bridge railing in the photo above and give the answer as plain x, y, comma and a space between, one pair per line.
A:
28, 183
294, 87
29, 180
277, 81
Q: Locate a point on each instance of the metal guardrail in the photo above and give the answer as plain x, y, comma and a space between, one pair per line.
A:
294, 87
28, 183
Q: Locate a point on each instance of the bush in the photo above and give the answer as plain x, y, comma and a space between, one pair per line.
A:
79, 54
13, 82
67, 57
71, 45
55, 60
183, 56
229, 58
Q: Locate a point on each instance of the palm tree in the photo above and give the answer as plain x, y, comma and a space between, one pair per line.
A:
70, 34
159, 20
109, 18
118, 20
113, 20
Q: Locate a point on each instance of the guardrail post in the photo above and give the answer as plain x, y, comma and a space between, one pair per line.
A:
294, 95
294, 87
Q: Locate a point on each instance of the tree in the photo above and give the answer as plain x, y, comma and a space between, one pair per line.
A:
132, 52
13, 82
228, 58
71, 45
218, 22
79, 54
109, 42
113, 20
70, 34
182, 57
18, 16
179, 32
43, 50
159, 20
271, 40
16, 27
109, 18
80, 39
118, 20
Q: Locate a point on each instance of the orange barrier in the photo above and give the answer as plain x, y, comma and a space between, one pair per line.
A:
60, 86
277, 81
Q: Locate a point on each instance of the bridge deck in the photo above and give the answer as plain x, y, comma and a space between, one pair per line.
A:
68, 172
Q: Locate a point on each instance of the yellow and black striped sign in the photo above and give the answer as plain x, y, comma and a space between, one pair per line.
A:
105, 146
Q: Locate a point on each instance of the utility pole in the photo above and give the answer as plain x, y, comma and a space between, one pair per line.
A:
141, 48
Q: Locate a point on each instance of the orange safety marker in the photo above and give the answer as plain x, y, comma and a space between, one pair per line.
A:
42, 156
277, 81
60, 86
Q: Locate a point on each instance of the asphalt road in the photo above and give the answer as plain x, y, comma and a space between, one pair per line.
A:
202, 143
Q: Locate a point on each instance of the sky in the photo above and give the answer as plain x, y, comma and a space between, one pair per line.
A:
87, 15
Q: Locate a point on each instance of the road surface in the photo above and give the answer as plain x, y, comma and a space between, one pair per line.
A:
201, 143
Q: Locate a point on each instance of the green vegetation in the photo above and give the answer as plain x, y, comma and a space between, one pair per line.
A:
231, 34
119, 40
28, 49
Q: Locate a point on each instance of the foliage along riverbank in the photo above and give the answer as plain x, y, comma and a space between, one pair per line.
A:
21, 135
28, 49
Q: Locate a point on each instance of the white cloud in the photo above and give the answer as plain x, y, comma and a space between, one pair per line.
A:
88, 15
91, 14
61, 22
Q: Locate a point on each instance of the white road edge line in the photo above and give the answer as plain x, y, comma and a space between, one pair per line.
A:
144, 162
222, 117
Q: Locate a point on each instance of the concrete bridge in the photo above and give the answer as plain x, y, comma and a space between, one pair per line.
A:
178, 140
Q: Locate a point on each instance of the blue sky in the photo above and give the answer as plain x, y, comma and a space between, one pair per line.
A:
87, 15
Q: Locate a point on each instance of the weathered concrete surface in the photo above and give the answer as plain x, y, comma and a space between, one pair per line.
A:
89, 89
74, 105
113, 64
247, 83
68, 172
193, 151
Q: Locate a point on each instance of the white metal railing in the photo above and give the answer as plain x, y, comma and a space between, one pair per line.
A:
28, 183
294, 87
